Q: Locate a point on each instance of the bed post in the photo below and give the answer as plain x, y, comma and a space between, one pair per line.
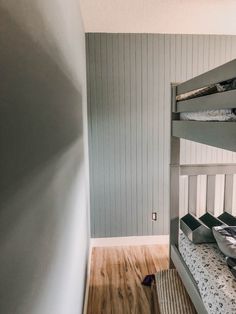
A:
174, 181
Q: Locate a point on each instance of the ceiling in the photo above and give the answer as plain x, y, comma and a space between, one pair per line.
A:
160, 16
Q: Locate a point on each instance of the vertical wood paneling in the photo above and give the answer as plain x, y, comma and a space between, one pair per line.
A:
138, 59
105, 142
122, 135
156, 142
99, 170
160, 121
144, 132
116, 220
128, 133
110, 136
150, 129
133, 139
129, 78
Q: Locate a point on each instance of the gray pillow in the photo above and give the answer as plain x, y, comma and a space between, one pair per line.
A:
226, 239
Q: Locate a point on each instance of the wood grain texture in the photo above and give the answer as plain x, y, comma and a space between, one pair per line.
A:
116, 275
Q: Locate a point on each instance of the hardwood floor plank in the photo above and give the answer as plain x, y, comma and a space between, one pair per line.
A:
116, 276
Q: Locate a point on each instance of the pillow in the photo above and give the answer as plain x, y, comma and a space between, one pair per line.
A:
226, 239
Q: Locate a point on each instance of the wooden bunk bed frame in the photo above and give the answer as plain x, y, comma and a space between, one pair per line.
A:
217, 134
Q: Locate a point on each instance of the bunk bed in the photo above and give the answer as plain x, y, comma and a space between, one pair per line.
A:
193, 104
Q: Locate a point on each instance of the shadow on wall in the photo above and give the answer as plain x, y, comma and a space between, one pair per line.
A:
40, 110
41, 181
40, 239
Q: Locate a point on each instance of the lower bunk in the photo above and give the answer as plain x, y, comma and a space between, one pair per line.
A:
206, 276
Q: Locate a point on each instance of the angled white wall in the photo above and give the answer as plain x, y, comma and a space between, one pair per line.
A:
44, 203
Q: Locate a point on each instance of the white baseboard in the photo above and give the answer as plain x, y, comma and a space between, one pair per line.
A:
124, 241
86, 295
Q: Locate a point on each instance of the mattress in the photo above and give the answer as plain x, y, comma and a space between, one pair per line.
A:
209, 115
215, 282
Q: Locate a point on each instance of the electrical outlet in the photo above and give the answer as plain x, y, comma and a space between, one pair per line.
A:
154, 216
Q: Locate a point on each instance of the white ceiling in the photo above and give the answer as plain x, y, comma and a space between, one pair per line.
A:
160, 16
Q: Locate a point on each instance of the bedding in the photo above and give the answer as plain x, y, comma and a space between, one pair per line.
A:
208, 90
212, 89
226, 239
215, 282
210, 115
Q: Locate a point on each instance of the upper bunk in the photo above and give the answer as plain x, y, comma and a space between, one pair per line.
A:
214, 92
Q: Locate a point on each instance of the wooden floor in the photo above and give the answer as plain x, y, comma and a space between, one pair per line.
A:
116, 275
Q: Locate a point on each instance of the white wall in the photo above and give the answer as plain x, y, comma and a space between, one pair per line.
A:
44, 203
160, 16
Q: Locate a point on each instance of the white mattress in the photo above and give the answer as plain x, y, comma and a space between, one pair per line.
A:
216, 284
209, 115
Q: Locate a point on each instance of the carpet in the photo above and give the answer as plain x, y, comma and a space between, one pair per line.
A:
172, 295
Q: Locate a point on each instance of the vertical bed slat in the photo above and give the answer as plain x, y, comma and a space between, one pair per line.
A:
201, 195
228, 196
192, 195
210, 196
183, 196
219, 194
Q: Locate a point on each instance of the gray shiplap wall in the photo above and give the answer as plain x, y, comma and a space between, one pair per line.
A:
129, 78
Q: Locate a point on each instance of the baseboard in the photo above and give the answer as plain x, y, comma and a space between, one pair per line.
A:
86, 295
124, 241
